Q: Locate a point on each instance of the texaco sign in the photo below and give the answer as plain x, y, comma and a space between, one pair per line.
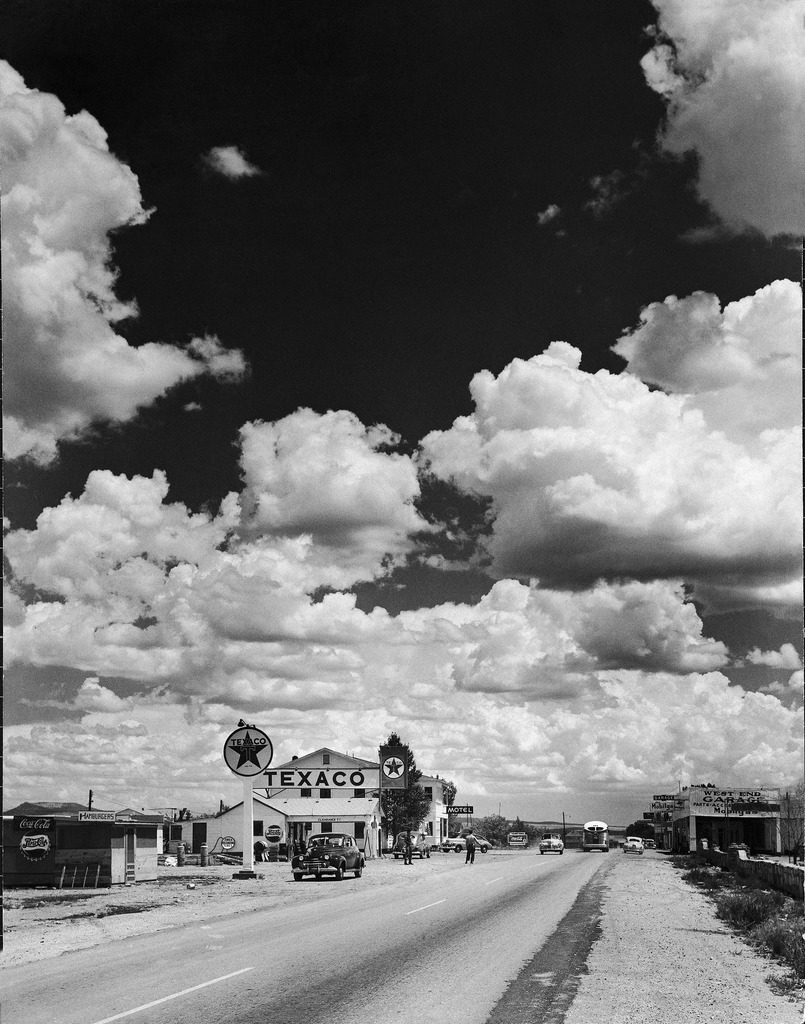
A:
248, 751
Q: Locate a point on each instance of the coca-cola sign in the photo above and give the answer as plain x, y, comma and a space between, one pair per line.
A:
35, 847
35, 824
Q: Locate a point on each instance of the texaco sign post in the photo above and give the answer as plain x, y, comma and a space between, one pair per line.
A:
248, 752
393, 774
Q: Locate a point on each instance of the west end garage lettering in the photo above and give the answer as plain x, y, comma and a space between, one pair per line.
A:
320, 778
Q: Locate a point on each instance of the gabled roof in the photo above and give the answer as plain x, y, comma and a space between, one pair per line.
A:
353, 808
359, 762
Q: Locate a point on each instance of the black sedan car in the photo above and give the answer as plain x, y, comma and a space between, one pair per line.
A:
331, 853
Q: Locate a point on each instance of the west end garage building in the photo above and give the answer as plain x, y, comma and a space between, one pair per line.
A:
722, 817
324, 791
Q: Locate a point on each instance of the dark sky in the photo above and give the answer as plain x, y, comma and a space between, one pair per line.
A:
392, 247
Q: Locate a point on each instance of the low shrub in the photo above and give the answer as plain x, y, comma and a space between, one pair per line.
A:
705, 878
769, 920
782, 937
747, 908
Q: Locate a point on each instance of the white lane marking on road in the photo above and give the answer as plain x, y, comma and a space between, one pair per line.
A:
491, 880
176, 995
426, 907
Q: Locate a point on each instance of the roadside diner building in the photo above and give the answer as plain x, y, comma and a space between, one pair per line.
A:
719, 817
44, 845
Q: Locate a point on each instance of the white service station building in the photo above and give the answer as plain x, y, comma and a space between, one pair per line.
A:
324, 791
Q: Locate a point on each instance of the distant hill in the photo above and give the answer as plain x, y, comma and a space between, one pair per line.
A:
45, 809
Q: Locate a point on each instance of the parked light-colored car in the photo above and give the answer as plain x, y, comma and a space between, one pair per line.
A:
420, 847
458, 844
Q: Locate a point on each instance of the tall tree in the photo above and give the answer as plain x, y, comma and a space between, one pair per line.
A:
792, 818
405, 808
495, 828
642, 828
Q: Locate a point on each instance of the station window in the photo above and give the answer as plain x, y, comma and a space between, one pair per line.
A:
325, 758
325, 794
306, 792
360, 792
429, 792
360, 830
327, 826
257, 828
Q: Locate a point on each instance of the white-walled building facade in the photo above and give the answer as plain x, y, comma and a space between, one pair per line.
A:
723, 816
323, 791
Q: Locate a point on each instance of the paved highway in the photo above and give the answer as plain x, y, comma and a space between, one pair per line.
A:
421, 950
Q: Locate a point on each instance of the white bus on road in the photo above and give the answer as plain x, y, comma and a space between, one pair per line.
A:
595, 836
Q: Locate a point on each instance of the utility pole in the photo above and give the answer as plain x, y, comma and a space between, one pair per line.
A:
89, 802
564, 830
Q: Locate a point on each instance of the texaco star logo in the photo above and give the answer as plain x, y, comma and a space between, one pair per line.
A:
248, 751
393, 767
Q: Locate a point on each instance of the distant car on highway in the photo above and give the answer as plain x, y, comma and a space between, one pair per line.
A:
551, 843
420, 847
330, 853
633, 844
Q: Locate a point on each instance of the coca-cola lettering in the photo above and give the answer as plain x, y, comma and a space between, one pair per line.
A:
40, 824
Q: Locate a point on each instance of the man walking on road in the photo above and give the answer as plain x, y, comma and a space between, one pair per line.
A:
469, 840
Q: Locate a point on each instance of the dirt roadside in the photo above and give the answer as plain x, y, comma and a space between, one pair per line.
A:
662, 955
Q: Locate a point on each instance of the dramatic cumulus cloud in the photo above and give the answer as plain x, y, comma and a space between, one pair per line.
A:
597, 475
786, 657
733, 75
331, 479
231, 162
740, 366
64, 364
208, 622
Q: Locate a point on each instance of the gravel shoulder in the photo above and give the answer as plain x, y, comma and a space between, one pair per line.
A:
662, 954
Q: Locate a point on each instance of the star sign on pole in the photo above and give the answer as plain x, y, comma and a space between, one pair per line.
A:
248, 752
393, 767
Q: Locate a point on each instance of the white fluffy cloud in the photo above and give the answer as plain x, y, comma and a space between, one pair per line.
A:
208, 625
741, 366
328, 478
734, 78
786, 657
596, 475
231, 162
64, 364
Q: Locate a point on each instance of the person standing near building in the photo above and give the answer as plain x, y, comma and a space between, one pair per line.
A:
408, 852
469, 840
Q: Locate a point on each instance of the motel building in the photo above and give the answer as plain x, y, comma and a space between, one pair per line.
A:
324, 791
710, 816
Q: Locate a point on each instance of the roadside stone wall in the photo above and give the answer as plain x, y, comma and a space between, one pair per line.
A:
787, 878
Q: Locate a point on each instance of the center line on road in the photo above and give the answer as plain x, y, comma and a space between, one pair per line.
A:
176, 995
491, 880
406, 914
